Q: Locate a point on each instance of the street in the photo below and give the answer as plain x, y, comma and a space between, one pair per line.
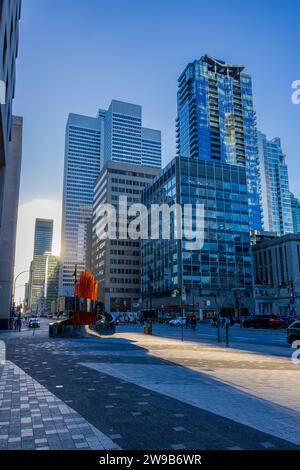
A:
134, 391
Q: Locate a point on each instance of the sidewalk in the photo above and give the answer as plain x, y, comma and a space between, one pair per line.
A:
31, 417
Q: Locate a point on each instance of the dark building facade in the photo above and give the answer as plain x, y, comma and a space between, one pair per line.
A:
276, 264
10, 151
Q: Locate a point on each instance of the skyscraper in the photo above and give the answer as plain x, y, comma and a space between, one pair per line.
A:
44, 268
295, 203
125, 138
115, 134
43, 282
213, 273
216, 121
275, 193
43, 235
82, 165
116, 263
10, 152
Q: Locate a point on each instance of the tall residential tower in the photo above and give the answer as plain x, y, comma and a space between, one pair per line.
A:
276, 199
216, 121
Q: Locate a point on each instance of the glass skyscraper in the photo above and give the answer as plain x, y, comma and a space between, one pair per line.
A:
276, 199
295, 202
126, 140
115, 134
223, 265
216, 121
82, 165
43, 235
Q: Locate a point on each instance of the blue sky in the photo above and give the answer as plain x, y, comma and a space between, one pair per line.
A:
75, 56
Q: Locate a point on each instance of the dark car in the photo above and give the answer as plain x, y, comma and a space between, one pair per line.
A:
293, 332
287, 321
263, 321
34, 323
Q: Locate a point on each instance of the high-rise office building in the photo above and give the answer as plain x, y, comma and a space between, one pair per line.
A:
43, 235
295, 203
125, 138
275, 193
82, 165
115, 134
43, 282
10, 152
151, 147
44, 268
216, 121
116, 262
212, 274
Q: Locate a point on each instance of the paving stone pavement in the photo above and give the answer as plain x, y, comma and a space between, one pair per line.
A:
31, 417
97, 380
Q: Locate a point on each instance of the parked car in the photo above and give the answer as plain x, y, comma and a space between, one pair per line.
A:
263, 321
178, 321
287, 321
34, 323
293, 332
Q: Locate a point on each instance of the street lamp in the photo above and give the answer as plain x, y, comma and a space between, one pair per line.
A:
13, 292
238, 298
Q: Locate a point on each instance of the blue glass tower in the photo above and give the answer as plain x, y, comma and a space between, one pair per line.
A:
216, 121
43, 235
295, 213
276, 198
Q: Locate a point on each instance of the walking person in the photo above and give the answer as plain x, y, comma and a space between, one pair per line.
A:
187, 321
19, 322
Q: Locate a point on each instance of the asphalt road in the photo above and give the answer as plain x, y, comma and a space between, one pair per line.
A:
238, 337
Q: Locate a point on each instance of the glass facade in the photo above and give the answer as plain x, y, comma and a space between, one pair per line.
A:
295, 213
82, 166
43, 282
216, 121
43, 235
224, 261
116, 135
126, 140
276, 199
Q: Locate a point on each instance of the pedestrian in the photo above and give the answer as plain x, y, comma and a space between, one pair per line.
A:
187, 321
193, 322
19, 322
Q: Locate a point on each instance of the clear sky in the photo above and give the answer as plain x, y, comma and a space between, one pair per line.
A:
75, 56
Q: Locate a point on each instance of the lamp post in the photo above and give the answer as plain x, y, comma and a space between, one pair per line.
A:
13, 292
238, 298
